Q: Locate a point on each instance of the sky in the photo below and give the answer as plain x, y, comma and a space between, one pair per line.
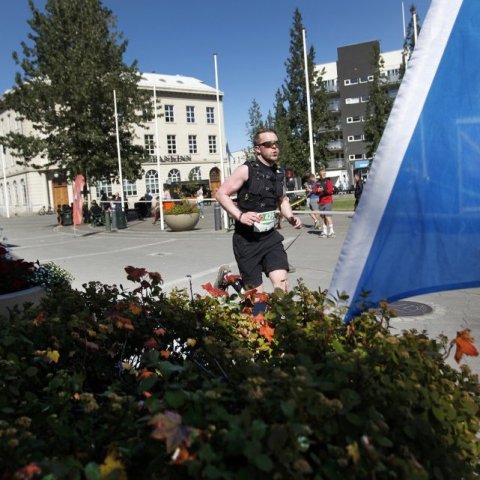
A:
250, 37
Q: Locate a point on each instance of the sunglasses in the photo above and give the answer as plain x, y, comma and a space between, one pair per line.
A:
275, 143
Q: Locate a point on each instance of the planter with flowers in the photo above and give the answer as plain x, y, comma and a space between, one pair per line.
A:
23, 282
183, 216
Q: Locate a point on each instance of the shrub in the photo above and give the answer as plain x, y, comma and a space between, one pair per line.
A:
141, 384
182, 207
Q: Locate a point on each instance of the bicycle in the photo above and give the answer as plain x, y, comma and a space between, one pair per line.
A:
45, 211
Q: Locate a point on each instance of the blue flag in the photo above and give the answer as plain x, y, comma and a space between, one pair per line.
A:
417, 227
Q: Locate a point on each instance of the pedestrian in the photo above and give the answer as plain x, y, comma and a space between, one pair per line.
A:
201, 202
325, 203
311, 189
358, 188
148, 197
260, 188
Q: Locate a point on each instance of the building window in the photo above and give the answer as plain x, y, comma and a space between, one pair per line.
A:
171, 144
149, 142
151, 181
104, 186
356, 156
23, 191
355, 138
192, 144
355, 119
195, 174
364, 99
351, 100
210, 115
174, 176
212, 144
169, 114
190, 114
129, 188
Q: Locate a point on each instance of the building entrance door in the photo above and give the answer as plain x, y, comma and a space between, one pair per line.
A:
60, 193
215, 181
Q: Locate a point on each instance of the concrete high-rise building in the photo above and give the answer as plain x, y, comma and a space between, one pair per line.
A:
348, 82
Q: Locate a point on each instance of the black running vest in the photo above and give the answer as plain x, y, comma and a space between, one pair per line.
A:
264, 187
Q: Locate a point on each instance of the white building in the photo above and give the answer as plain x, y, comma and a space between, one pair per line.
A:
189, 142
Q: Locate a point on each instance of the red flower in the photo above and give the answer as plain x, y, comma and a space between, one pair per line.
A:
28, 471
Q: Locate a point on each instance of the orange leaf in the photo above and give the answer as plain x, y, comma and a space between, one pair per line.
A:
39, 319
464, 344
29, 471
134, 308
180, 455
165, 353
214, 292
267, 331
145, 374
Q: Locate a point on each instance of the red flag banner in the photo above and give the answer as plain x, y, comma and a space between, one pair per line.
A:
77, 199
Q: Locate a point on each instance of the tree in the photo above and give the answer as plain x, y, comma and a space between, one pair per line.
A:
291, 118
255, 122
378, 107
70, 69
409, 41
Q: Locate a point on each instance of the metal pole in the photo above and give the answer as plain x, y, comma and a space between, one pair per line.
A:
118, 152
7, 209
309, 106
157, 150
414, 28
220, 136
403, 22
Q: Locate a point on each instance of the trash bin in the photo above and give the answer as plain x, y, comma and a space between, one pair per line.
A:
217, 216
67, 217
118, 219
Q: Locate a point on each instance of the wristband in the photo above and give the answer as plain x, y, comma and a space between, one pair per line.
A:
240, 216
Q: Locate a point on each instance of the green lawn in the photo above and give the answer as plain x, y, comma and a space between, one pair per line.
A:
343, 202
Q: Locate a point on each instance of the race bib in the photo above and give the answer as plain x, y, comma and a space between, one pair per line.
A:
266, 222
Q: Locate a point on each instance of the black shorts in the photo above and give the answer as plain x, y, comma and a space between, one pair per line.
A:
259, 252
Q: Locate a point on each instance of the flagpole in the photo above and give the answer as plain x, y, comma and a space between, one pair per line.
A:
403, 22
7, 208
118, 151
309, 113
220, 142
414, 28
157, 150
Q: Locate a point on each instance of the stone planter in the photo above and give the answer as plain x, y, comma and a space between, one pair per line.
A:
9, 300
182, 222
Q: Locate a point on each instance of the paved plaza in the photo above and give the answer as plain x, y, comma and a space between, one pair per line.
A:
184, 258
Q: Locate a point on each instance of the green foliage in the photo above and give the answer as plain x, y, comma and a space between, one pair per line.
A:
379, 106
69, 72
50, 276
182, 207
138, 384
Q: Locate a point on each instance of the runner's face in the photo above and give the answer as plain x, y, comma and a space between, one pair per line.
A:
269, 153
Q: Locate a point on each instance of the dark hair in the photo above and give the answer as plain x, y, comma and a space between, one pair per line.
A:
259, 132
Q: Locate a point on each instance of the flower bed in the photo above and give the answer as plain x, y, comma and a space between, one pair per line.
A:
112, 383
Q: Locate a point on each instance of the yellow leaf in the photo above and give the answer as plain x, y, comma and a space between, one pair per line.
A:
113, 464
54, 356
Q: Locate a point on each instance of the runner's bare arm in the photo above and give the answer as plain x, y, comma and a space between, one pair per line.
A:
286, 210
232, 185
